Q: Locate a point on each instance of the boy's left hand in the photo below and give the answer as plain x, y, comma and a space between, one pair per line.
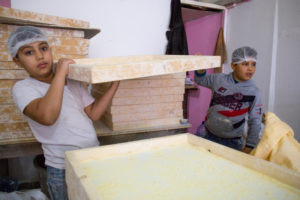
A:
246, 150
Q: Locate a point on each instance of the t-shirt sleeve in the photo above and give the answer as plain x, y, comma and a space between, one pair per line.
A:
86, 97
24, 94
80, 93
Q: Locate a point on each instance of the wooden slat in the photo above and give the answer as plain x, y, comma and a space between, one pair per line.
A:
141, 124
136, 92
10, 114
9, 65
6, 100
13, 74
141, 116
11, 15
16, 135
13, 127
118, 110
61, 41
6, 87
7, 29
142, 83
120, 68
146, 100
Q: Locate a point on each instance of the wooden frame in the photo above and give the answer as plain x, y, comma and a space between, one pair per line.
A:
81, 184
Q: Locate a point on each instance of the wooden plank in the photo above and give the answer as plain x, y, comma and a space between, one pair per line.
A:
180, 75
12, 15
18, 135
61, 49
13, 74
146, 100
6, 87
99, 70
7, 128
8, 65
103, 130
10, 114
175, 162
6, 100
141, 124
62, 41
69, 50
116, 110
142, 83
203, 5
155, 114
135, 92
7, 29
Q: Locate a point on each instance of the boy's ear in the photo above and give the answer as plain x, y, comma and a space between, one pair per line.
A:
233, 66
17, 61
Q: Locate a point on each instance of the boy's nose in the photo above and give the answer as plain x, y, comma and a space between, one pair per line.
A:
39, 55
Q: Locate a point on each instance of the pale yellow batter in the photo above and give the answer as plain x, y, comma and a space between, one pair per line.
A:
180, 172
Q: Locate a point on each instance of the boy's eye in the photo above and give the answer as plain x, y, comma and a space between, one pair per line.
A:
28, 52
44, 48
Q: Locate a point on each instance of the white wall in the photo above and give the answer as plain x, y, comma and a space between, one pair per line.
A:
272, 27
128, 27
287, 93
251, 24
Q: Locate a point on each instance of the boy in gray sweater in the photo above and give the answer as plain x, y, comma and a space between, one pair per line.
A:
234, 98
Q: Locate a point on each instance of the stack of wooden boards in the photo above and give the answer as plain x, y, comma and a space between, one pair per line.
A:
145, 102
67, 37
151, 90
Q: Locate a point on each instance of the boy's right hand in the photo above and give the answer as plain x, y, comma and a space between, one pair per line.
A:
62, 66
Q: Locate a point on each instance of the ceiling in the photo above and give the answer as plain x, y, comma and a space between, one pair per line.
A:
194, 9
225, 3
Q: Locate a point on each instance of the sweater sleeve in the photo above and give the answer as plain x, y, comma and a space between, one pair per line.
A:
254, 122
204, 79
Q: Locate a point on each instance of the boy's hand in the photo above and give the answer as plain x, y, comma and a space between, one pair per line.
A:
62, 66
247, 150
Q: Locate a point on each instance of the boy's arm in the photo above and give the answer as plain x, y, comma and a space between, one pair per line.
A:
45, 110
201, 78
254, 122
95, 110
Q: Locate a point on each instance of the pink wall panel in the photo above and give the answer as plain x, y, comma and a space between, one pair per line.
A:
5, 3
201, 36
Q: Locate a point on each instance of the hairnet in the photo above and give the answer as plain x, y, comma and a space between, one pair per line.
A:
244, 54
22, 36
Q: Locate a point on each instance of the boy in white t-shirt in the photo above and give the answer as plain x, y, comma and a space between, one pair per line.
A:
59, 111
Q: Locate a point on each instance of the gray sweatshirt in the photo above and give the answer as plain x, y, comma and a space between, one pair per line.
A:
231, 103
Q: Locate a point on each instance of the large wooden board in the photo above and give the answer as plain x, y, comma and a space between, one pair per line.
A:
98, 70
175, 167
21, 17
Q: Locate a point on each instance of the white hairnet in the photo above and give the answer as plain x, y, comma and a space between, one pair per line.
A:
244, 54
22, 36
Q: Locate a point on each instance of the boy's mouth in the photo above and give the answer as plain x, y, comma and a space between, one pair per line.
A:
42, 65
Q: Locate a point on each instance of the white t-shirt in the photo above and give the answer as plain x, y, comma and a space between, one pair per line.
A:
72, 130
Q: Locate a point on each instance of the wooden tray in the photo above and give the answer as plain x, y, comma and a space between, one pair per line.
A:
98, 70
175, 167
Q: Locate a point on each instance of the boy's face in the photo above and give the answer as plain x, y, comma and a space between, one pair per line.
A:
243, 71
36, 59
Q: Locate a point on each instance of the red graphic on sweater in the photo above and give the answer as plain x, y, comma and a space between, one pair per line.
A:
233, 113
